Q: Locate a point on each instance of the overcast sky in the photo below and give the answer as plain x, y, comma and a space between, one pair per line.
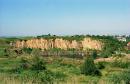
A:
64, 17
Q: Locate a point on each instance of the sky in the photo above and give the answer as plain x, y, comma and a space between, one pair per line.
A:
64, 17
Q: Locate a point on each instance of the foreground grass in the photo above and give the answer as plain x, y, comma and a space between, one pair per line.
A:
63, 71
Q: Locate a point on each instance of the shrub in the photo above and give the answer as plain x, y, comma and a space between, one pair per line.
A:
120, 63
36, 52
24, 65
49, 77
118, 55
126, 77
7, 52
89, 68
100, 65
105, 54
2, 52
94, 54
39, 64
128, 51
120, 78
27, 50
46, 76
58, 75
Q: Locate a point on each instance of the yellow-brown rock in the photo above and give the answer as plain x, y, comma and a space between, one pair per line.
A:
86, 43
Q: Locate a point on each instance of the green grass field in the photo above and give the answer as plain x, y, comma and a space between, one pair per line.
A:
61, 70
28, 68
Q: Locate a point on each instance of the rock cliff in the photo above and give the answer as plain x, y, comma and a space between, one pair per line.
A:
86, 43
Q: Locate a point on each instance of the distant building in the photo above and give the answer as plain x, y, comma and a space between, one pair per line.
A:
121, 38
128, 45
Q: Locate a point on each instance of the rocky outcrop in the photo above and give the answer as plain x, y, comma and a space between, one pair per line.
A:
86, 43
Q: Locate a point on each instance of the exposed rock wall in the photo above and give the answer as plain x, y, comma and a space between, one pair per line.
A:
86, 43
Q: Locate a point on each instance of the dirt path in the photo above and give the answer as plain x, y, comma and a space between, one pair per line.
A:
104, 59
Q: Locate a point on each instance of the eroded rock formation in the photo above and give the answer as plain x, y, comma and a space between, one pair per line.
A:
86, 43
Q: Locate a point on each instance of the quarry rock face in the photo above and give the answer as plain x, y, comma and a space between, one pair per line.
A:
86, 43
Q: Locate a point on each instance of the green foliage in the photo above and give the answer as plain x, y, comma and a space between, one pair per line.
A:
118, 55
27, 50
35, 69
36, 52
111, 45
120, 63
55, 49
4, 43
126, 76
70, 38
50, 77
94, 54
128, 39
7, 52
38, 71
46, 76
120, 78
38, 64
100, 65
74, 37
128, 51
105, 54
49, 36
24, 63
89, 67
2, 52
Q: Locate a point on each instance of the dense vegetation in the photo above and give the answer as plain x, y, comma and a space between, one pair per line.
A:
29, 66
89, 68
111, 44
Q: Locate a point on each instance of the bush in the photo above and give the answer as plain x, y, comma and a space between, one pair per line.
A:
49, 77
105, 54
100, 65
128, 51
126, 77
89, 68
120, 78
94, 54
46, 76
39, 64
2, 52
120, 63
59, 75
36, 52
27, 50
24, 65
119, 55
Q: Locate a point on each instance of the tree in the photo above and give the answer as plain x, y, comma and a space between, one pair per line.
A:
94, 54
89, 68
39, 64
